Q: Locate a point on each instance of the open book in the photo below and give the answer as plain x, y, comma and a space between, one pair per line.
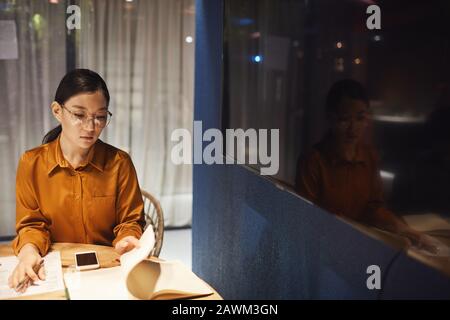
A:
434, 226
53, 283
137, 278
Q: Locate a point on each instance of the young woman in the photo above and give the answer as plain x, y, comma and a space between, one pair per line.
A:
74, 187
341, 173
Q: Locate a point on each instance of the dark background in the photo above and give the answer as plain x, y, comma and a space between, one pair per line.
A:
305, 46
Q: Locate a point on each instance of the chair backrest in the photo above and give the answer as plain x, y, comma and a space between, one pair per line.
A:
154, 217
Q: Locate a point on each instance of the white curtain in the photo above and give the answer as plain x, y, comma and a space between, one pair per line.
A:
140, 49
144, 51
35, 31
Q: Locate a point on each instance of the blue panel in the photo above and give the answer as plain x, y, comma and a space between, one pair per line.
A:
410, 279
208, 62
252, 240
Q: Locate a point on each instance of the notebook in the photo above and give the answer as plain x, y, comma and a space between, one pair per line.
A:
53, 282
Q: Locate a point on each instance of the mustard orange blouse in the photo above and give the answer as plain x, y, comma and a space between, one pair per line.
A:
346, 188
98, 203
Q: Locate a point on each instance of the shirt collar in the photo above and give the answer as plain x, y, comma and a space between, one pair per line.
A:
55, 158
330, 152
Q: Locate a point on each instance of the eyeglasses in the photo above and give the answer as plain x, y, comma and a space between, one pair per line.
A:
80, 117
358, 120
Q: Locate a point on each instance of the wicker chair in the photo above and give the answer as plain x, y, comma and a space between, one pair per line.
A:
154, 217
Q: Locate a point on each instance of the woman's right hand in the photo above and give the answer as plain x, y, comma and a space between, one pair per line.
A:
29, 257
420, 240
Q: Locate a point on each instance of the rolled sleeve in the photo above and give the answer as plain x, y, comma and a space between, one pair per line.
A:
31, 225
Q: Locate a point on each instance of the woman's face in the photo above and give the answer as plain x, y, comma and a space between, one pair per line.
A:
82, 117
350, 120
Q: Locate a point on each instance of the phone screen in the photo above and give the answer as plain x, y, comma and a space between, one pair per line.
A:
85, 259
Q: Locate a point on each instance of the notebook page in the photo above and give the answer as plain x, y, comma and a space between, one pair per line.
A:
53, 281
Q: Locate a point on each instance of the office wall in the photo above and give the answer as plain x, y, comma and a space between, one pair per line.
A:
252, 240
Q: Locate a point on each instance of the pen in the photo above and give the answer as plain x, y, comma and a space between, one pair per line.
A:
36, 269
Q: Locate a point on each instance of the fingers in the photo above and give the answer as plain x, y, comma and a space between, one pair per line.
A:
23, 286
412, 237
121, 247
127, 244
24, 275
30, 272
424, 242
18, 275
134, 242
41, 273
428, 244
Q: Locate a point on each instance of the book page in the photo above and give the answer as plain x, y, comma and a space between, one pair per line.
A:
100, 284
132, 258
152, 279
53, 277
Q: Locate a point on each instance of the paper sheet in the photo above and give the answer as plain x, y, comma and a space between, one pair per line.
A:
100, 284
53, 281
177, 277
131, 258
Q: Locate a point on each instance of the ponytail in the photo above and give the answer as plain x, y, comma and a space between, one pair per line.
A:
52, 135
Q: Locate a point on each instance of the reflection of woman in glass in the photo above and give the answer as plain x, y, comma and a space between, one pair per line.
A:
341, 173
74, 187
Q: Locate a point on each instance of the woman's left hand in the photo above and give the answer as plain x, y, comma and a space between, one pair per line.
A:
126, 244
420, 240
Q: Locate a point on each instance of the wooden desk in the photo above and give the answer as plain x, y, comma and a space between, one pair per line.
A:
107, 256
441, 264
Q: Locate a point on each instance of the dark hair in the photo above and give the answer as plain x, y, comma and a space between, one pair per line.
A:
75, 82
348, 88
